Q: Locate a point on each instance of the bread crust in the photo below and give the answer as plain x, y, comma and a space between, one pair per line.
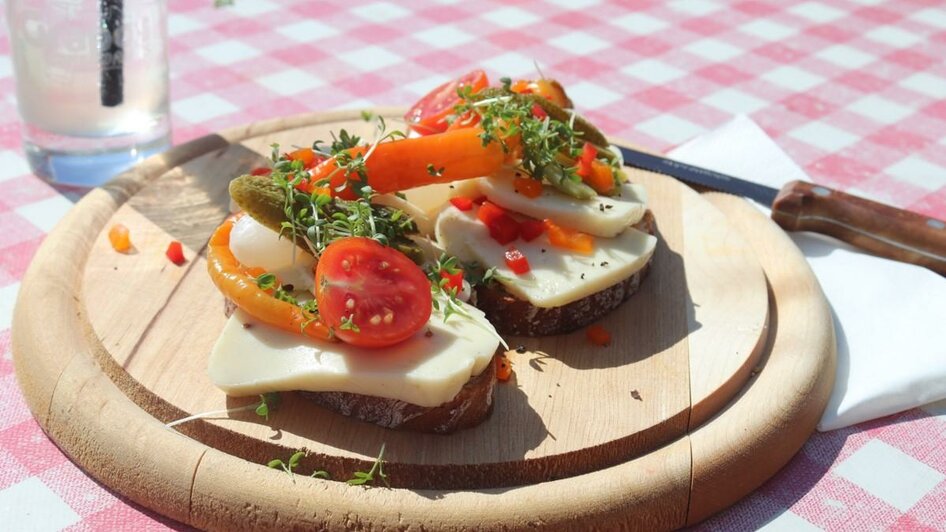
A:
470, 407
514, 316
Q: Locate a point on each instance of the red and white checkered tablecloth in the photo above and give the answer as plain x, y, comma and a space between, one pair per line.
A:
854, 91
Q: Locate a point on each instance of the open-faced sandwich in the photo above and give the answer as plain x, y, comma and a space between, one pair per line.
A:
373, 276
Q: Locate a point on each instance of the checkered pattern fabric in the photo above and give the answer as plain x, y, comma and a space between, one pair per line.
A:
854, 91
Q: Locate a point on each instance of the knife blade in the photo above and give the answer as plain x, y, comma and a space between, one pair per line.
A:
799, 206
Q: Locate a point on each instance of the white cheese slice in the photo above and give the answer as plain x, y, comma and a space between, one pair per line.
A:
602, 216
255, 245
431, 199
557, 276
425, 371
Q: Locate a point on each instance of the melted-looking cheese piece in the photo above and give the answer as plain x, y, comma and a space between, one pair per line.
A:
425, 371
604, 216
557, 276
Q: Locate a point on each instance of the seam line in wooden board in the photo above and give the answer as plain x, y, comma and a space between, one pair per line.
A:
154, 318
190, 496
716, 483
69, 237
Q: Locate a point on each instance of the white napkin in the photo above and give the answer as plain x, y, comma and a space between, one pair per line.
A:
890, 317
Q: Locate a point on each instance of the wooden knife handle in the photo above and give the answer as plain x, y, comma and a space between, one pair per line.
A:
881, 229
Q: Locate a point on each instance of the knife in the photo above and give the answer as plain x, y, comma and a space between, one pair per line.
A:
800, 206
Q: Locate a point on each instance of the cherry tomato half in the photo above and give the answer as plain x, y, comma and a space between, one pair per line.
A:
369, 294
429, 114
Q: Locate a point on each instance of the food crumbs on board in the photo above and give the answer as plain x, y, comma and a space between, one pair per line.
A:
636, 395
520, 349
175, 253
119, 237
247, 325
503, 368
429, 333
598, 335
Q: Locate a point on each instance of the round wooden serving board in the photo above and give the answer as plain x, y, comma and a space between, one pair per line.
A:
664, 427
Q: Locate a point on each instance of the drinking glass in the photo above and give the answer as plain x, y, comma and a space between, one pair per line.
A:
91, 84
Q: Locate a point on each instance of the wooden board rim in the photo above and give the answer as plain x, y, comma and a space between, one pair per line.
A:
53, 385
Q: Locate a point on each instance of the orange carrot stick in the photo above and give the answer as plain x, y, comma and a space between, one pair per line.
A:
227, 273
403, 164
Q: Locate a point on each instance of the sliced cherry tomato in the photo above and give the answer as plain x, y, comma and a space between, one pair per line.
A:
529, 230
517, 262
120, 238
454, 280
462, 203
369, 294
502, 227
538, 112
262, 170
429, 114
569, 238
528, 187
503, 368
175, 253
598, 335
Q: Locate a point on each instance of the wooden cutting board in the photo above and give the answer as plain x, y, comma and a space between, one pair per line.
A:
109, 347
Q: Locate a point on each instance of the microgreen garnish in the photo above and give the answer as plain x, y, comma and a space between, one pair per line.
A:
367, 115
287, 466
348, 324
436, 172
445, 298
268, 402
316, 219
548, 147
361, 478
266, 281
351, 157
310, 308
293, 463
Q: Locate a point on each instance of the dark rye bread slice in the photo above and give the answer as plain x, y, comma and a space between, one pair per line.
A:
470, 407
514, 316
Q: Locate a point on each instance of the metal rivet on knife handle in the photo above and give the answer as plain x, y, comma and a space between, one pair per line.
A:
881, 229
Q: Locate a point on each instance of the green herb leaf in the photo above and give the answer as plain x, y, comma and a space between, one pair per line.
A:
266, 281
360, 478
294, 459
